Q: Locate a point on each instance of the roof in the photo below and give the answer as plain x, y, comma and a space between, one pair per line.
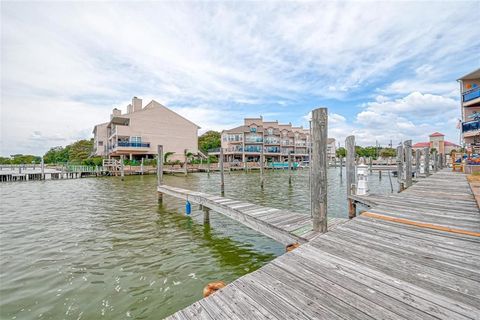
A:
239, 129
330, 140
427, 144
437, 134
451, 144
421, 145
472, 75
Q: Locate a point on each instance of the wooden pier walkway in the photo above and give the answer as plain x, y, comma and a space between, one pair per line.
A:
283, 226
372, 267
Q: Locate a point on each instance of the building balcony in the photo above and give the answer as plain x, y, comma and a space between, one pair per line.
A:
129, 146
253, 140
471, 94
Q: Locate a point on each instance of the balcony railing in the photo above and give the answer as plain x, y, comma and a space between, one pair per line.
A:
132, 144
254, 140
471, 126
471, 94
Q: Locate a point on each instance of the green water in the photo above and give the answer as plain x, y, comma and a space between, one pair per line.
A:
103, 248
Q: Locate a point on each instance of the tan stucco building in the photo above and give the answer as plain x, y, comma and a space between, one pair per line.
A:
137, 133
470, 103
244, 143
437, 141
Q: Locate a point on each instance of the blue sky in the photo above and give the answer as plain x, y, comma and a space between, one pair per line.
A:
385, 70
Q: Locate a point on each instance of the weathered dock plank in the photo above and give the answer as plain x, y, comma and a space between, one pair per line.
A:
283, 226
372, 268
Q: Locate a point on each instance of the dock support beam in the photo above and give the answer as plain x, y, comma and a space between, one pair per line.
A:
185, 169
160, 170
206, 215
222, 177
401, 186
350, 172
408, 162
319, 163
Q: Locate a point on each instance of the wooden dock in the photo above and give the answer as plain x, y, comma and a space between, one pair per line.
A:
283, 226
413, 255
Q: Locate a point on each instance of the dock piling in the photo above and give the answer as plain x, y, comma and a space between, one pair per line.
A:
42, 168
319, 163
350, 173
289, 168
400, 159
427, 161
261, 167
122, 167
417, 163
222, 178
160, 170
408, 162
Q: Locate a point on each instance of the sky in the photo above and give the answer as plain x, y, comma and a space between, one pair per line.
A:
386, 71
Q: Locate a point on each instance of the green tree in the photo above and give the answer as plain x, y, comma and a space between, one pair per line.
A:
24, 159
388, 152
80, 150
5, 160
57, 155
341, 152
209, 140
167, 155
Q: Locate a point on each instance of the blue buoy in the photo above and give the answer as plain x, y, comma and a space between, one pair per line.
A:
188, 208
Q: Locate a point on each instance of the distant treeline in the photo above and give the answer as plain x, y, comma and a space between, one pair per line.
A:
368, 152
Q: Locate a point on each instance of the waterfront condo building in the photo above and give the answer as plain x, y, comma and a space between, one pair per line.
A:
470, 101
244, 143
137, 133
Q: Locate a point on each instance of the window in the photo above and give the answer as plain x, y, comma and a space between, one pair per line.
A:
100, 143
270, 131
136, 139
253, 129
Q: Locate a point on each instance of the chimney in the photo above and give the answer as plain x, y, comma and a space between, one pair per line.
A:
116, 112
137, 104
129, 109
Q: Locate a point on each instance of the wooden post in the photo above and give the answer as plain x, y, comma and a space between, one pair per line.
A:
208, 164
206, 215
261, 166
289, 168
222, 178
186, 162
319, 163
341, 166
42, 167
400, 168
141, 167
434, 155
122, 169
408, 162
350, 173
417, 162
379, 174
370, 164
160, 170
427, 161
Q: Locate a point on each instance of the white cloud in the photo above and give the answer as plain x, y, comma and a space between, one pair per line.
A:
220, 61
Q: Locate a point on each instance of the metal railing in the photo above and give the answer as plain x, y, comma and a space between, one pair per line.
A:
132, 144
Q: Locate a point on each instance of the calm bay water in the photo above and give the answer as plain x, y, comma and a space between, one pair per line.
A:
103, 248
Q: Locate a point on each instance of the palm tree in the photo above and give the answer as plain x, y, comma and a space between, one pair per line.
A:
167, 155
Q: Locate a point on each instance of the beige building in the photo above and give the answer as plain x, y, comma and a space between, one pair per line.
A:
470, 101
137, 133
244, 143
437, 141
